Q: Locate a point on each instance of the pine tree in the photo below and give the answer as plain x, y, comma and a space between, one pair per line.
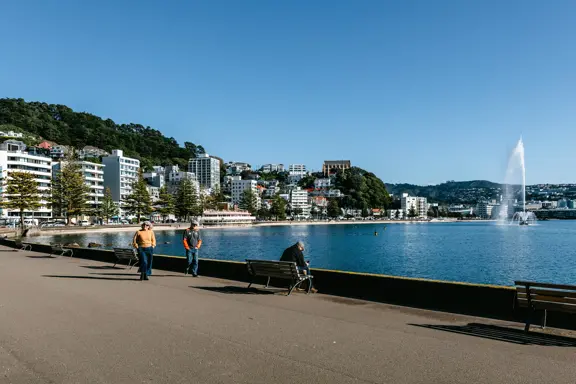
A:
22, 194
165, 204
69, 191
138, 203
412, 212
108, 208
278, 209
333, 209
186, 204
249, 201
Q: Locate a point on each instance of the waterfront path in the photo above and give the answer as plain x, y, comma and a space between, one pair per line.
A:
67, 320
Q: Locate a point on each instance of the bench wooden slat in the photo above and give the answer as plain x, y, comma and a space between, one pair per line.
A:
552, 299
277, 269
546, 285
549, 306
547, 292
267, 269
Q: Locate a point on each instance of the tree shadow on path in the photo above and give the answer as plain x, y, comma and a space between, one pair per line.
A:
136, 278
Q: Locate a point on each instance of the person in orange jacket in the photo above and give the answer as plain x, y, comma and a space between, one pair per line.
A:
192, 243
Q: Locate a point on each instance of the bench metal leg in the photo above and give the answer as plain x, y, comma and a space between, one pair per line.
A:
295, 285
268, 282
544, 319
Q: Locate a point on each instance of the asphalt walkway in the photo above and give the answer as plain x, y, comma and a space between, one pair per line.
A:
67, 320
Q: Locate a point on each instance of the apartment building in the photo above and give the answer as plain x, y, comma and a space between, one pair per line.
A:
206, 169
239, 186
93, 175
267, 168
420, 205
121, 173
299, 202
174, 177
16, 156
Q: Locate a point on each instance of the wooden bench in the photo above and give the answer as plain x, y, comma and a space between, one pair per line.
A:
59, 250
286, 270
22, 246
126, 254
545, 296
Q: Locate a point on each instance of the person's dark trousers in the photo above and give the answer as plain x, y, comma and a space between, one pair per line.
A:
145, 255
309, 282
192, 257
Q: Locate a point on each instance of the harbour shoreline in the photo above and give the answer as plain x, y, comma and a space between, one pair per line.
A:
169, 227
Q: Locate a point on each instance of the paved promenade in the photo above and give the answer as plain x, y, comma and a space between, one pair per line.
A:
66, 320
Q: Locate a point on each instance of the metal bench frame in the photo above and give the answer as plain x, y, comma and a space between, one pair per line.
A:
22, 246
286, 270
126, 254
59, 250
544, 296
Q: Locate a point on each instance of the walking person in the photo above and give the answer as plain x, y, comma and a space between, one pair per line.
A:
192, 243
145, 241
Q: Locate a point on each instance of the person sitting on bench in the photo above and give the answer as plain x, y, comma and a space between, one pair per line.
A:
294, 254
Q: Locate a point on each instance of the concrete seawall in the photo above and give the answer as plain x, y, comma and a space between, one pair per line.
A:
472, 299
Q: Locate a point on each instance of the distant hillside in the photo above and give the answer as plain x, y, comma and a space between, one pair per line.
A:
61, 124
450, 192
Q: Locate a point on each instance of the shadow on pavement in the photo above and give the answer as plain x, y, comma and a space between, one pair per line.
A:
8, 250
510, 335
41, 257
236, 290
100, 267
135, 273
136, 278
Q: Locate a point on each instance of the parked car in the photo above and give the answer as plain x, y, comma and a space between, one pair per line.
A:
83, 223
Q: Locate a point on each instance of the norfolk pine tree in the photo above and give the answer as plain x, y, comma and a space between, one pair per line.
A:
108, 208
138, 203
22, 194
186, 204
165, 204
69, 191
249, 201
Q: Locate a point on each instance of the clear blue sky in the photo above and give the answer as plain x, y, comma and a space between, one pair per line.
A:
415, 91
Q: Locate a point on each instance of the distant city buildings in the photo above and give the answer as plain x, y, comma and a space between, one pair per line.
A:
174, 176
239, 186
484, 209
298, 199
331, 167
236, 168
11, 134
206, 169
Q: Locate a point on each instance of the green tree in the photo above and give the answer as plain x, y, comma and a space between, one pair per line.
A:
333, 208
216, 197
22, 193
361, 188
108, 208
412, 212
249, 201
165, 204
138, 202
278, 209
397, 214
364, 212
69, 191
264, 213
186, 204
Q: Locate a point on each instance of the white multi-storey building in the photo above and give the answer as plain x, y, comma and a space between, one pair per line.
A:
484, 209
174, 177
239, 186
323, 183
14, 156
267, 168
297, 169
299, 202
206, 169
420, 205
121, 173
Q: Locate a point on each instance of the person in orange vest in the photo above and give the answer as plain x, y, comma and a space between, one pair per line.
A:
145, 241
192, 243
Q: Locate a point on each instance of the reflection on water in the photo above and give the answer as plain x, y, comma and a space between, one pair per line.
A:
472, 252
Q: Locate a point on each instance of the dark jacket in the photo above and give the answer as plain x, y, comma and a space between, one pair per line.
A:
294, 254
191, 239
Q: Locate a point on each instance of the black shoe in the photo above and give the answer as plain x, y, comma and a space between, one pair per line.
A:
194, 275
146, 277
143, 276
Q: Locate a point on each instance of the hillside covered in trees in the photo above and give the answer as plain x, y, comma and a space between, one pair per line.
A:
450, 192
62, 125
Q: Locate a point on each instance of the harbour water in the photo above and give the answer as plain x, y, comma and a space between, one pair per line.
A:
478, 252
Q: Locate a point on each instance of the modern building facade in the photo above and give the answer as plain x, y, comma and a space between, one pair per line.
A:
484, 209
331, 167
267, 168
420, 205
15, 156
299, 202
207, 170
174, 177
121, 173
239, 186
297, 169
156, 178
